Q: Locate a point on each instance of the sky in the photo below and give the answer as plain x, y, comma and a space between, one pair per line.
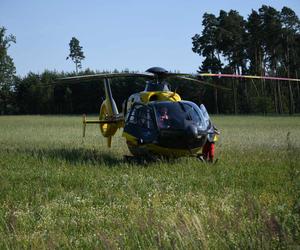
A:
115, 34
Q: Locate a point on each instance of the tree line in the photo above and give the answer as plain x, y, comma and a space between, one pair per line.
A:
266, 43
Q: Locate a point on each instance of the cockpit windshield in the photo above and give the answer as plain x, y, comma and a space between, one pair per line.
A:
177, 115
152, 86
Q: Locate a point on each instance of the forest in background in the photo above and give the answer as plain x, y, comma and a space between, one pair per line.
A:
267, 42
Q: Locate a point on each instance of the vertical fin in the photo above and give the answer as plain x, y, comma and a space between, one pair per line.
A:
111, 104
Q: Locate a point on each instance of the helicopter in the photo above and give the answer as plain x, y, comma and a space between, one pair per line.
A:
157, 121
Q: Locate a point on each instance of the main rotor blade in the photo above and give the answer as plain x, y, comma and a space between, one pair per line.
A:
250, 77
177, 74
86, 78
204, 83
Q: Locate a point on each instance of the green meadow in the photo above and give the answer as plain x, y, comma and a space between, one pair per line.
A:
60, 191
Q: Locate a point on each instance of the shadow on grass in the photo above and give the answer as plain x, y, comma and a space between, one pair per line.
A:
78, 156
90, 156
96, 157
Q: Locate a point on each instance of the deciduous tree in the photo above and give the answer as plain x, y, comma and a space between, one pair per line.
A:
7, 71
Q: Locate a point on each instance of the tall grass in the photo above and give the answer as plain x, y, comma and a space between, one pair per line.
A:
58, 191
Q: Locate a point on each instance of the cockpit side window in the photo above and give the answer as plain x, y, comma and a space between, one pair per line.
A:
192, 114
205, 115
197, 114
204, 112
141, 116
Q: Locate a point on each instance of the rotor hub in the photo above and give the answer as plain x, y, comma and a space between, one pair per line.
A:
157, 71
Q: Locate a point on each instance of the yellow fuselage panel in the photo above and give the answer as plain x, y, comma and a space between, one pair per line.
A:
156, 149
159, 96
132, 142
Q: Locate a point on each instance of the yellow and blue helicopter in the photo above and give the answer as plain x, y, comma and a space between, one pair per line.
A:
156, 121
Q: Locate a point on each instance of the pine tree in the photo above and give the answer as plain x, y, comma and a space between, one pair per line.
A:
76, 53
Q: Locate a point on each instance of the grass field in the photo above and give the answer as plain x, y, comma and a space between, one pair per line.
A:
58, 191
